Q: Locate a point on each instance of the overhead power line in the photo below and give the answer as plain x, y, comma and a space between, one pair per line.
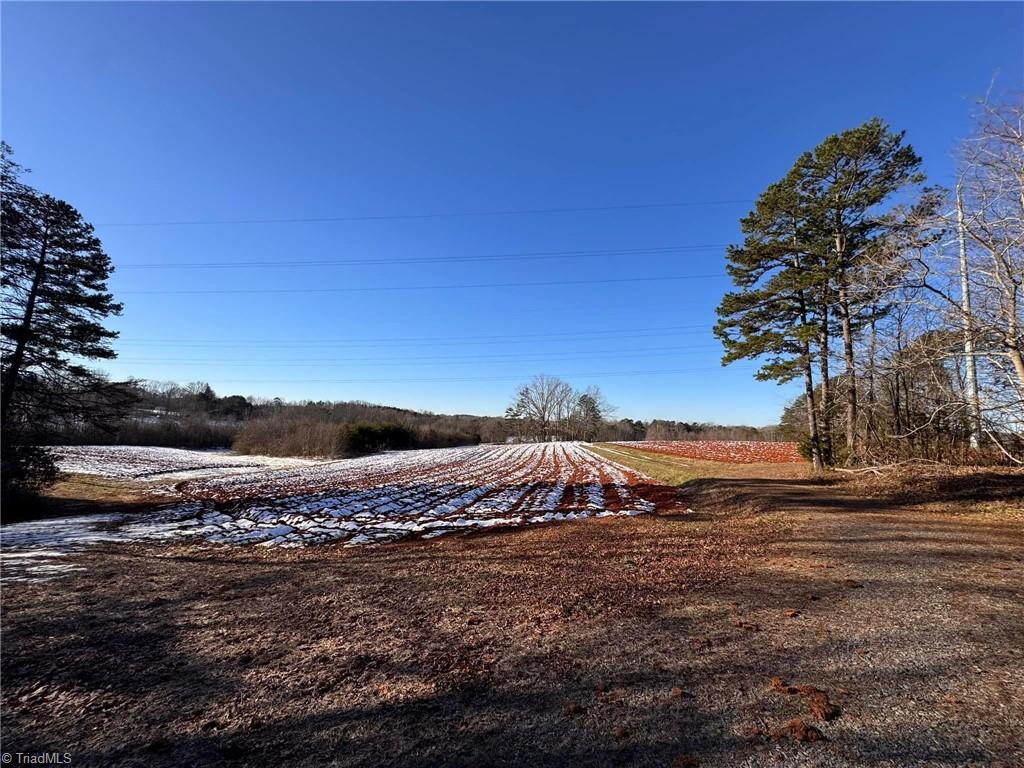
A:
219, 347
526, 256
407, 360
414, 341
453, 379
433, 215
389, 288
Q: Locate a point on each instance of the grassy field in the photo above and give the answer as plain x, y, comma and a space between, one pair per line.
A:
677, 471
77, 494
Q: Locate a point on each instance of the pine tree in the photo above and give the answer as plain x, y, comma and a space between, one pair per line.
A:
55, 299
771, 316
590, 413
843, 184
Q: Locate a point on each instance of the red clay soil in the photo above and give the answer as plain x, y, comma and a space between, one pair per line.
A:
648, 641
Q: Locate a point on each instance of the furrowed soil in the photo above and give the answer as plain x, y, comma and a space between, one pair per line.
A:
784, 620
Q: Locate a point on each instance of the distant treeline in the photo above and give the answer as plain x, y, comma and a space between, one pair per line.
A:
681, 430
294, 435
194, 416
171, 431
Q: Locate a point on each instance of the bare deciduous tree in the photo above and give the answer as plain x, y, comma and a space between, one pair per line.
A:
548, 408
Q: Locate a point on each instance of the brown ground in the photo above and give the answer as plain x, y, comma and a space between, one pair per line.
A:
894, 630
74, 494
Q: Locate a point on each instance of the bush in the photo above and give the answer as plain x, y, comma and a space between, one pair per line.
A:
284, 435
25, 470
361, 439
803, 447
837, 459
290, 437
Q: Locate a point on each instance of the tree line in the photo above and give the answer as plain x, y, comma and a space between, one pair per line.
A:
548, 408
912, 292
193, 415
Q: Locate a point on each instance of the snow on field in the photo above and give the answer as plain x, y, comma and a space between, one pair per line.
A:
140, 463
731, 451
373, 499
32, 551
391, 496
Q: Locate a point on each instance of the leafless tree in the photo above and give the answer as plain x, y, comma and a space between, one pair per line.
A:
951, 371
548, 408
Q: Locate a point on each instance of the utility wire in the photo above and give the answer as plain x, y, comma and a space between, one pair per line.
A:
510, 358
489, 336
398, 342
388, 288
303, 380
436, 215
527, 256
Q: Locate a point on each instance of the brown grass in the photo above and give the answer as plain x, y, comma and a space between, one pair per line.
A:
941, 485
75, 494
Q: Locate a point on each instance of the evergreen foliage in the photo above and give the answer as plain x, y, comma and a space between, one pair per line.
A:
54, 304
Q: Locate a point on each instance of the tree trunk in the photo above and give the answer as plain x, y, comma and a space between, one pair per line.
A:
13, 372
846, 323
812, 411
1013, 334
965, 301
825, 405
869, 436
1018, 364
851, 375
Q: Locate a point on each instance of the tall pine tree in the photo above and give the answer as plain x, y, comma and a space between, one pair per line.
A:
54, 302
843, 184
771, 317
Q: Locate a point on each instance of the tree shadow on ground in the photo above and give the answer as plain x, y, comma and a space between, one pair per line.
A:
74, 495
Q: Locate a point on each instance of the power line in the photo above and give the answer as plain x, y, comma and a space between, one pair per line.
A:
616, 333
388, 288
218, 347
510, 358
526, 256
488, 336
654, 372
436, 215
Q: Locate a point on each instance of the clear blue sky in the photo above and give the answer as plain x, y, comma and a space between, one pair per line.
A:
198, 112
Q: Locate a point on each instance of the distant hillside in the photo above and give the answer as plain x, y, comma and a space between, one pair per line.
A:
195, 416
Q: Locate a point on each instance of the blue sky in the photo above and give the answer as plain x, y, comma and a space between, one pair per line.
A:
150, 117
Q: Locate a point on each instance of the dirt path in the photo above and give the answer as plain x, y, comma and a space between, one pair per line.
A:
911, 619
648, 641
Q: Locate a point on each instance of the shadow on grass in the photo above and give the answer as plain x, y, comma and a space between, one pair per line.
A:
74, 495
